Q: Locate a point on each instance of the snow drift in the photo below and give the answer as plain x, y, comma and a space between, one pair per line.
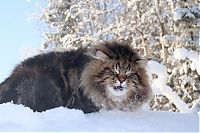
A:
20, 118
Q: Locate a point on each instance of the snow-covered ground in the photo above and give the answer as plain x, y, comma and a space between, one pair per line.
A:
20, 118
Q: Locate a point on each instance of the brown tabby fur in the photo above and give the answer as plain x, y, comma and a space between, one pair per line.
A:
110, 75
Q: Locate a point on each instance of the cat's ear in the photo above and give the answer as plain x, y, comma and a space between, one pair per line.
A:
99, 55
101, 52
142, 62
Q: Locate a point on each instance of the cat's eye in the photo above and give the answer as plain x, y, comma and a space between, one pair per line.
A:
128, 72
133, 75
128, 68
116, 65
116, 68
108, 70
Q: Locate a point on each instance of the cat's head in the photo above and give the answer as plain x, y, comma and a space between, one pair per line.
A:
116, 73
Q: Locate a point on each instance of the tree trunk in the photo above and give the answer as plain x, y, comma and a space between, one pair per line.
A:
172, 5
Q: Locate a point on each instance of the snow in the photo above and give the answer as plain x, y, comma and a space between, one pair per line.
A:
168, 39
183, 53
159, 86
160, 70
20, 118
183, 13
195, 10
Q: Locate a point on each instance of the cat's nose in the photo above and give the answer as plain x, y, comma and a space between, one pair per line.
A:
121, 78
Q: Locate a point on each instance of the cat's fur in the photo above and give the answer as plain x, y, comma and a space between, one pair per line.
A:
108, 76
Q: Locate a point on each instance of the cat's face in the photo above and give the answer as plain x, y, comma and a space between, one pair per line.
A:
119, 78
116, 74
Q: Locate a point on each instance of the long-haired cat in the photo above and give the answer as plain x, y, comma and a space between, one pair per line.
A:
108, 76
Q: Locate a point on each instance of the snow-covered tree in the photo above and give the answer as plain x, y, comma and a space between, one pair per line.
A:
77, 23
157, 29
184, 70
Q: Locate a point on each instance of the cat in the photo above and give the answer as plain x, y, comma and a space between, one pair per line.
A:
110, 76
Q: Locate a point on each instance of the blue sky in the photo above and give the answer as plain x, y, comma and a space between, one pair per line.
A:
17, 31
